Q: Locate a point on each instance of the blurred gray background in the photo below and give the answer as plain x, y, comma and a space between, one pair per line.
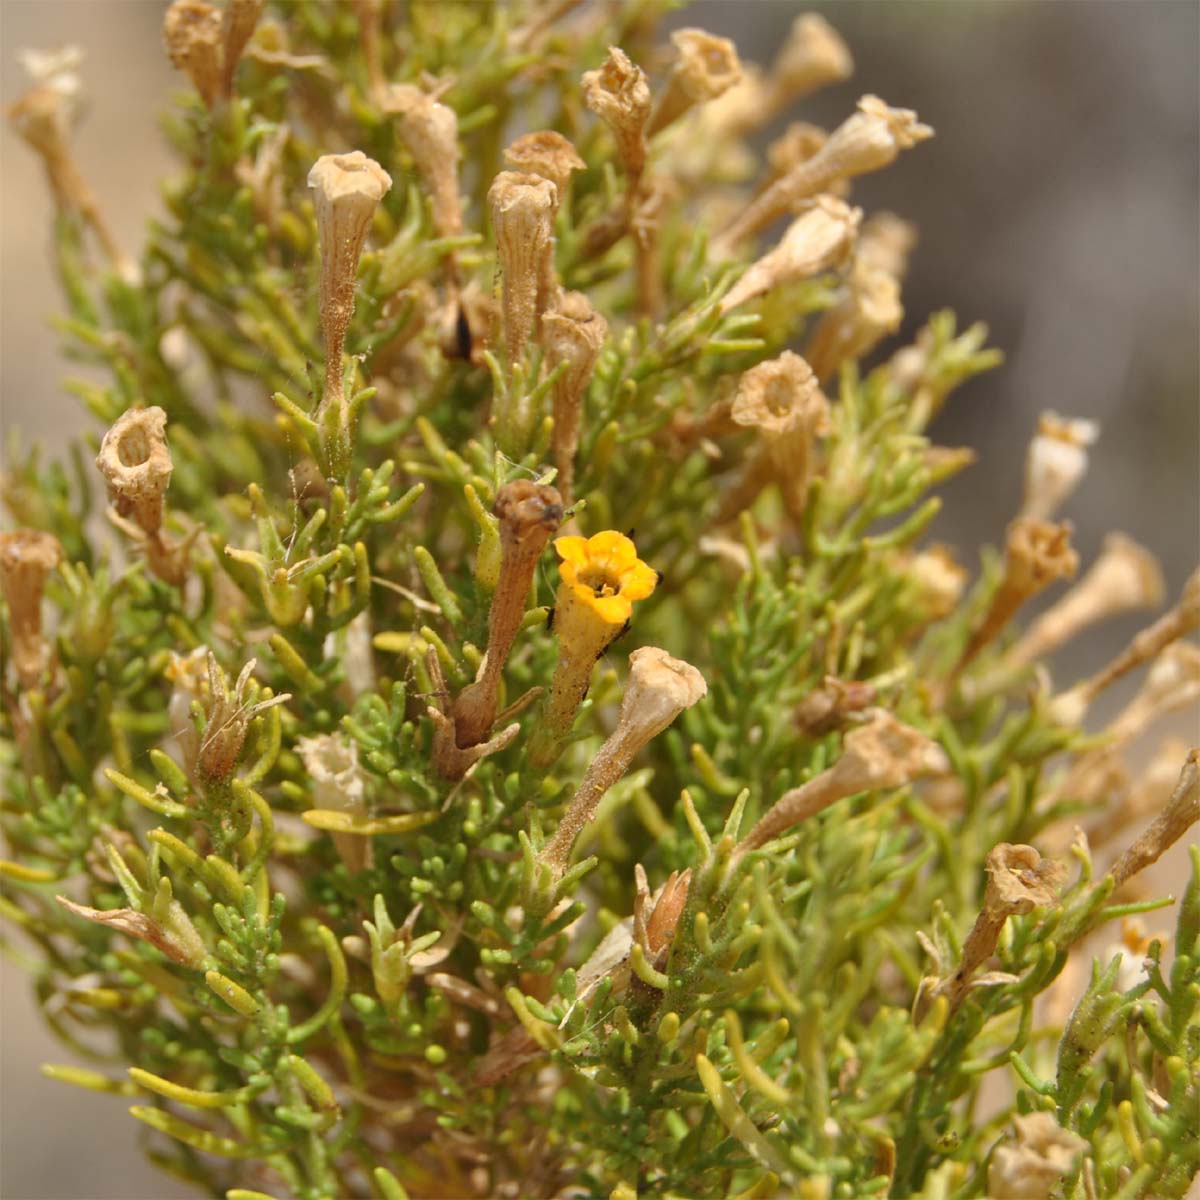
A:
1058, 203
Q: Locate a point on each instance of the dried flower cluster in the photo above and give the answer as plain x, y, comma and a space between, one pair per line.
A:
520, 740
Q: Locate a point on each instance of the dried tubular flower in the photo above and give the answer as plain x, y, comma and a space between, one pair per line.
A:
136, 466
27, 556
529, 515
573, 334
1036, 553
1172, 683
619, 95
1019, 880
1031, 1163
705, 67
331, 760
347, 189
1125, 577
645, 223
523, 221
549, 155
194, 35
42, 117
370, 19
1181, 813
1178, 622
868, 311
602, 577
832, 705
229, 717
660, 688
429, 130
867, 141
782, 400
177, 939
813, 57
820, 238
881, 753
237, 28
1055, 463
937, 580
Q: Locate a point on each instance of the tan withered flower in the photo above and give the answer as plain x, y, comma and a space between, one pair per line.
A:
885, 243
429, 130
136, 466
1019, 880
867, 141
937, 581
180, 942
331, 760
347, 189
1172, 683
881, 753
1055, 463
619, 95
783, 402
813, 57
869, 309
522, 208
1031, 1162
832, 705
1036, 553
529, 514
1125, 577
705, 67
194, 35
820, 238
1182, 811
27, 557
549, 155
237, 28
1184, 618
659, 689
573, 334
795, 145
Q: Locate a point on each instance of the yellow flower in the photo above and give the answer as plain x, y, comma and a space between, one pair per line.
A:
604, 574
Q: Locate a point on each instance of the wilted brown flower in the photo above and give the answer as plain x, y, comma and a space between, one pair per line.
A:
705, 67
27, 556
619, 95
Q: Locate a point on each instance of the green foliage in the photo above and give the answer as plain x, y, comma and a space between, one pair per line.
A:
388, 996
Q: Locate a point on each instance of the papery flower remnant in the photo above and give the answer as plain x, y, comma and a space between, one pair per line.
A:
429, 130
1056, 462
705, 67
27, 557
1028, 1165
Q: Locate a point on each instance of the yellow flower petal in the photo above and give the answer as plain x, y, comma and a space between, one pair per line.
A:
638, 581
572, 550
615, 610
611, 548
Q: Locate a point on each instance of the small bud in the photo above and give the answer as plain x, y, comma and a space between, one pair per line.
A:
573, 334
782, 400
523, 221
549, 155
1055, 463
1036, 553
870, 139
1019, 880
194, 34
819, 239
1126, 576
528, 516
705, 67
656, 917
1070, 707
347, 189
331, 761
813, 57
619, 95
660, 688
1031, 1163
136, 466
27, 557
1180, 814
430, 131
880, 753
229, 717
869, 310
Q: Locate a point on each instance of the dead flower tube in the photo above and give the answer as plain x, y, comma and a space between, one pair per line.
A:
881, 753
1180, 814
573, 334
27, 556
619, 95
429, 130
602, 577
868, 311
705, 67
522, 209
867, 141
347, 189
548, 155
1055, 463
1019, 880
660, 688
206, 43
813, 57
136, 464
528, 515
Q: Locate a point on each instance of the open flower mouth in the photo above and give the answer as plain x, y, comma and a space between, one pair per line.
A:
605, 574
603, 583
